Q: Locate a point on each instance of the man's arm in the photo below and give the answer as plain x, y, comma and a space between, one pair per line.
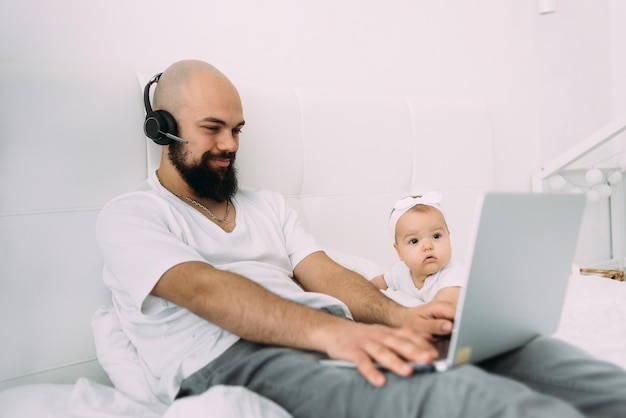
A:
379, 282
248, 310
239, 305
319, 273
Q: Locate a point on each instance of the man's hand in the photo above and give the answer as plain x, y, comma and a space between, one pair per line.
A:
433, 318
370, 347
269, 319
318, 273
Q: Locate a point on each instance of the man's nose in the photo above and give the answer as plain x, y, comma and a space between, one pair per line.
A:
228, 141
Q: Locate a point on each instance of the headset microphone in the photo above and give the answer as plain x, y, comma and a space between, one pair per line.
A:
160, 125
175, 138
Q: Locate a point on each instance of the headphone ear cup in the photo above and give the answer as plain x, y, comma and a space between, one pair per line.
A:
157, 124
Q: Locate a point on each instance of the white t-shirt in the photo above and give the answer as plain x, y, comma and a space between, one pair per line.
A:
145, 232
399, 279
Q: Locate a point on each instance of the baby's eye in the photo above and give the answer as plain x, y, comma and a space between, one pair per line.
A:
413, 241
437, 235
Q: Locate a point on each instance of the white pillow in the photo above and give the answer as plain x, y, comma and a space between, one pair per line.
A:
226, 402
363, 266
93, 400
119, 359
37, 400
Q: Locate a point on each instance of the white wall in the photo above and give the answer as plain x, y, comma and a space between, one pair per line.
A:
617, 40
549, 81
581, 52
482, 49
581, 65
574, 74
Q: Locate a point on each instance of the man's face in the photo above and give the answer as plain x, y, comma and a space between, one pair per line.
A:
210, 118
219, 183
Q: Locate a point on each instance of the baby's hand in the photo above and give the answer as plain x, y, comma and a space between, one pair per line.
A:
449, 295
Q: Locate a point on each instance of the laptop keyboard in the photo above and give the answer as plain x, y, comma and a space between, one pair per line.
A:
441, 344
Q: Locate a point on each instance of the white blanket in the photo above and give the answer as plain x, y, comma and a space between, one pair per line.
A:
593, 319
87, 399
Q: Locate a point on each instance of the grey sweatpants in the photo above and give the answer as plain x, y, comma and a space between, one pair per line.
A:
545, 378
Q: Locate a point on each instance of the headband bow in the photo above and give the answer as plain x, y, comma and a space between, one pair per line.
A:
432, 198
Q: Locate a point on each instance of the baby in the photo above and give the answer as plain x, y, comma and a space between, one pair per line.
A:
422, 240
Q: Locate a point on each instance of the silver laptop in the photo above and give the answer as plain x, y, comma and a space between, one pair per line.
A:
520, 263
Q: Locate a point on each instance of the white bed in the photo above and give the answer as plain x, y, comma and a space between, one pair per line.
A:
72, 140
590, 301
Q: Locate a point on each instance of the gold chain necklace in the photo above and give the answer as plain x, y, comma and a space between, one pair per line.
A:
198, 204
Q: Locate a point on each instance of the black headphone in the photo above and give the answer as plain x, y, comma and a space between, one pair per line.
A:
160, 125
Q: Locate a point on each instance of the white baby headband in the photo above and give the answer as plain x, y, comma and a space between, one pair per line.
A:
401, 206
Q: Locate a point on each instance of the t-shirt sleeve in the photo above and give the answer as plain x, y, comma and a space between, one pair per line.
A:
455, 274
138, 244
394, 277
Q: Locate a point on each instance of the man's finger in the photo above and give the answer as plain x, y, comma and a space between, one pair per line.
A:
371, 373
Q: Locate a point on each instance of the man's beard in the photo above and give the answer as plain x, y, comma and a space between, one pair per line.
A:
219, 185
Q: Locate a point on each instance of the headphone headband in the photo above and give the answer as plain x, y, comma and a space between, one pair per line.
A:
160, 125
146, 92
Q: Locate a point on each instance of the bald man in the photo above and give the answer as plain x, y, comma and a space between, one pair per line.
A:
216, 284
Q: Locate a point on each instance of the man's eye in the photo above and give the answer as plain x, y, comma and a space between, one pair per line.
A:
237, 131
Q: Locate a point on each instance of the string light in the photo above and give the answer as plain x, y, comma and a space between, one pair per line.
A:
594, 176
557, 182
595, 185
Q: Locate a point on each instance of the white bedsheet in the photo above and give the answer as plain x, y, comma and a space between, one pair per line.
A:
594, 318
87, 399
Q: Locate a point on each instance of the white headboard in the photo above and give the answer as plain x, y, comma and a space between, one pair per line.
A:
72, 139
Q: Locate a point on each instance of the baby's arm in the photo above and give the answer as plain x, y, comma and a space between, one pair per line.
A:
448, 294
379, 282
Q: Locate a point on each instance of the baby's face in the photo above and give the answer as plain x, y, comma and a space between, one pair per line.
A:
423, 241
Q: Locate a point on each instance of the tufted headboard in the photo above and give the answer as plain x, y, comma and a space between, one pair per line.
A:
72, 139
